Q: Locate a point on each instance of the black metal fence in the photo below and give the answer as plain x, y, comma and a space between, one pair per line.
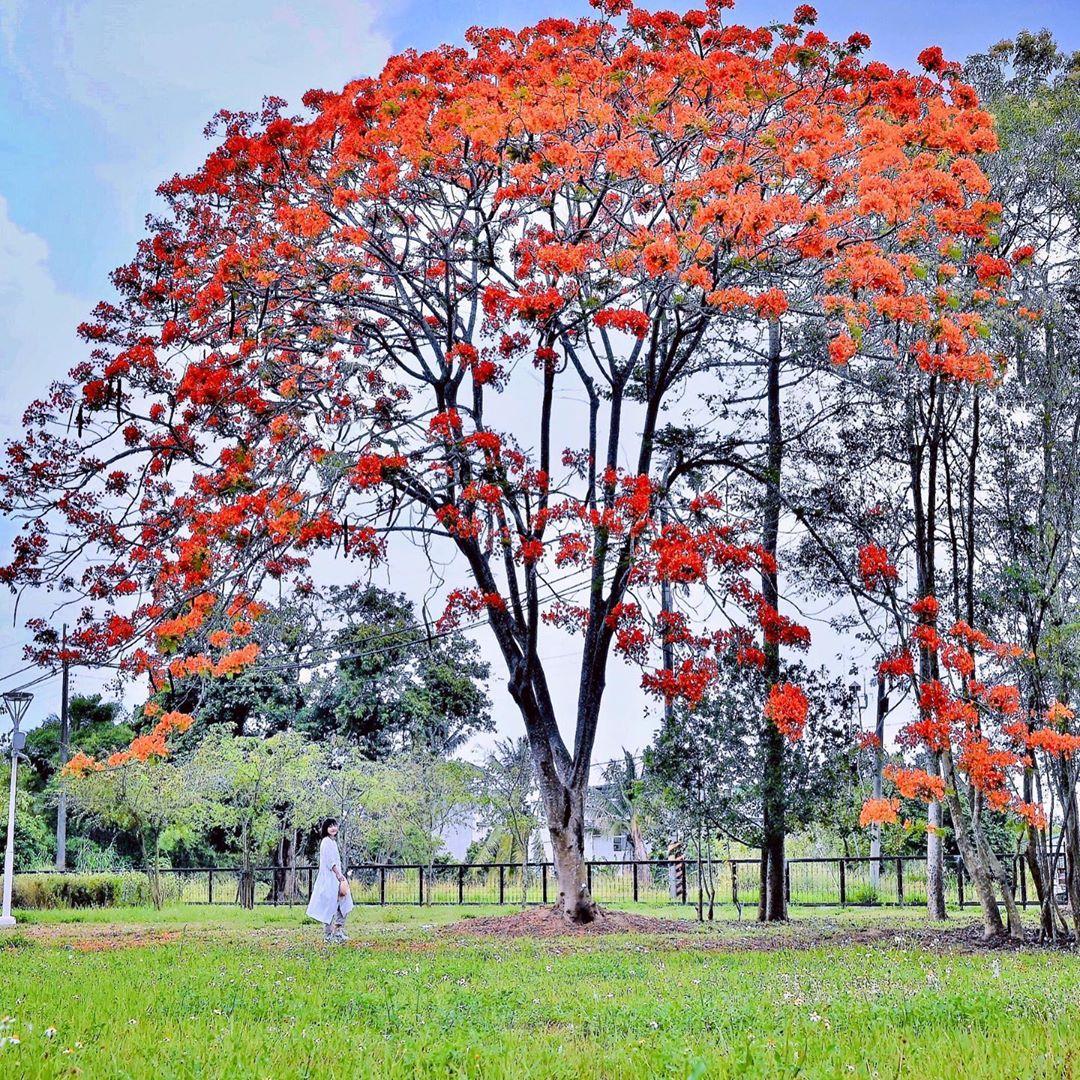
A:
828, 882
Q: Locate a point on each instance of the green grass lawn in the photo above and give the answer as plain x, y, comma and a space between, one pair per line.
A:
226, 993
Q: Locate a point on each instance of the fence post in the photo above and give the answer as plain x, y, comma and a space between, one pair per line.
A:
382, 884
420, 880
734, 882
843, 883
787, 882
683, 883
210, 898
960, 882
633, 870
543, 881
502, 882
461, 884
899, 880
588, 876
309, 883
1021, 872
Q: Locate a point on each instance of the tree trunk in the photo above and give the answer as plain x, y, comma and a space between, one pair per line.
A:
292, 842
924, 513
566, 823
247, 878
984, 889
153, 874
935, 859
641, 855
774, 906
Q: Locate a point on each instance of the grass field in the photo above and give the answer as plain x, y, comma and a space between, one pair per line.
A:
221, 992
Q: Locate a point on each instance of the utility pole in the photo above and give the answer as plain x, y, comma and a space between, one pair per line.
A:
879, 731
65, 747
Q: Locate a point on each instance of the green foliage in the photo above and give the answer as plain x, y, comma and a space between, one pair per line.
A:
95, 729
705, 767
395, 687
37, 891
34, 841
417, 797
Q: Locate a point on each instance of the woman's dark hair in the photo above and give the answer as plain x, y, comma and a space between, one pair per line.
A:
326, 826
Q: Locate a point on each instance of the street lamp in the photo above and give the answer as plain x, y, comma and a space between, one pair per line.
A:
16, 702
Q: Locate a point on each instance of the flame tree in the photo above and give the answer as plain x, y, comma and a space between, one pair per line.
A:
370, 320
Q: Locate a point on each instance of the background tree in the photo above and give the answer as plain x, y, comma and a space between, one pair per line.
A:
705, 775
245, 787
152, 799
394, 685
508, 806
620, 800
1027, 580
424, 796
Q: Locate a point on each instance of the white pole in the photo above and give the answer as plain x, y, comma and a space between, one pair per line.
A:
16, 703
7, 919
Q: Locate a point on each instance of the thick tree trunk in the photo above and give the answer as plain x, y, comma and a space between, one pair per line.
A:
774, 892
566, 823
284, 888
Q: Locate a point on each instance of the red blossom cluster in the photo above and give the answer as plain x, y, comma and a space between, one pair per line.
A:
875, 569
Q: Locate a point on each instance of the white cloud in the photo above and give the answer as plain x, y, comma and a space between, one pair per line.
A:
37, 320
150, 75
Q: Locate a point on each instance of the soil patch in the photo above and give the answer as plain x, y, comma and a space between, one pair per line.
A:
101, 937
544, 922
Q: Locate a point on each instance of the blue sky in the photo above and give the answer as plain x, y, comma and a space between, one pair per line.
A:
102, 99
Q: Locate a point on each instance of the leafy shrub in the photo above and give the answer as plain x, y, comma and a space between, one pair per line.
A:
864, 894
78, 890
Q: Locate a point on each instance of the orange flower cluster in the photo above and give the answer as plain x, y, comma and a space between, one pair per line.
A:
150, 747
916, 783
879, 812
786, 707
962, 714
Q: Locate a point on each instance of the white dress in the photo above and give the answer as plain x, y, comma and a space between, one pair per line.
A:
325, 901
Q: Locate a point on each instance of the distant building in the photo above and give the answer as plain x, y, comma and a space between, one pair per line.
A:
459, 836
605, 838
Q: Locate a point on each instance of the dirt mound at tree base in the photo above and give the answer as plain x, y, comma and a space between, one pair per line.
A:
545, 922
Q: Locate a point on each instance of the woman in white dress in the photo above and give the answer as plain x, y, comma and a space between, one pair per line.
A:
331, 898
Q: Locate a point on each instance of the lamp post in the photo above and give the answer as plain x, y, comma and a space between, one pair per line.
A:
16, 702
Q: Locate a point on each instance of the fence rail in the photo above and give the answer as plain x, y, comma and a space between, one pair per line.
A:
827, 882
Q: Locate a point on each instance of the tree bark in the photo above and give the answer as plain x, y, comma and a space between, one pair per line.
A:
566, 823
774, 906
973, 862
935, 861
